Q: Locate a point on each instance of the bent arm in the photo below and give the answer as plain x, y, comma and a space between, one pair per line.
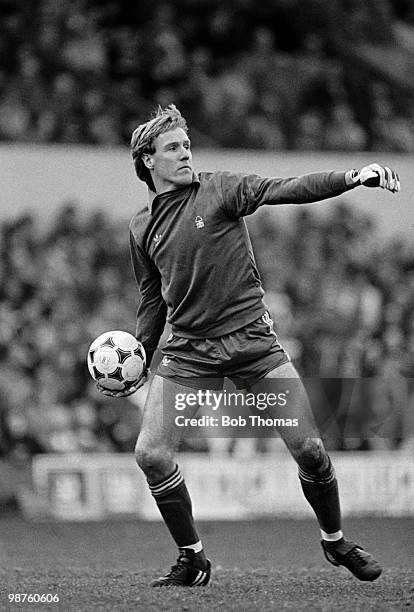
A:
152, 310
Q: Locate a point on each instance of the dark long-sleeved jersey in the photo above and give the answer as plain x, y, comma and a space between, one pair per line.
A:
192, 255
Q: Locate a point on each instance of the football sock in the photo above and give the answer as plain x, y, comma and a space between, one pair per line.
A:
197, 547
333, 538
174, 503
320, 488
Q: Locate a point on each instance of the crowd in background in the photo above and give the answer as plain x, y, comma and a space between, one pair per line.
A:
268, 75
271, 75
342, 303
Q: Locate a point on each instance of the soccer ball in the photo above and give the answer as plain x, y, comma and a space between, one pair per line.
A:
116, 360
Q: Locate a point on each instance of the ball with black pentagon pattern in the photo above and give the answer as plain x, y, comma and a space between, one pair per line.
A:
116, 360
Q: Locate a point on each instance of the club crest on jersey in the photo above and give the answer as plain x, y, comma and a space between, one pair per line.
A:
199, 222
157, 238
165, 361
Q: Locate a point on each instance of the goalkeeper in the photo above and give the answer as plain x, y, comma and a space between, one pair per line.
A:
195, 268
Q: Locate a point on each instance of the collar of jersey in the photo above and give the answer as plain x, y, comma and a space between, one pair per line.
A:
152, 194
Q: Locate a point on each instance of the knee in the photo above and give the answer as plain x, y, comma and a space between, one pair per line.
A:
155, 461
311, 455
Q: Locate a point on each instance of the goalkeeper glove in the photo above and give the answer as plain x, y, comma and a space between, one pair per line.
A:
375, 175
143, 379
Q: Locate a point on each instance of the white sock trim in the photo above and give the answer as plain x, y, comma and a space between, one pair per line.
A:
197, 547
332, 537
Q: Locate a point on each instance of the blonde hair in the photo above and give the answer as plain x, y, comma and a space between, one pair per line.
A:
142, 139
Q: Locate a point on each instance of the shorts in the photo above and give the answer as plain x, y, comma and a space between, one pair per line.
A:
244, 356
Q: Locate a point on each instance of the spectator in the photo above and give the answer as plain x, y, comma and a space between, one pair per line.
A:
62, 289
78, 72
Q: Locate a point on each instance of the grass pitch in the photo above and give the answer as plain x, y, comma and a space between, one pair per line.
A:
258, 565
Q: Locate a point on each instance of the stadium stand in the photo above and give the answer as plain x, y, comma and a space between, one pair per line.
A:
332, 75
346, 302
314, 76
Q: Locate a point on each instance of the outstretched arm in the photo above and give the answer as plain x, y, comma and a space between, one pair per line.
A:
242, 195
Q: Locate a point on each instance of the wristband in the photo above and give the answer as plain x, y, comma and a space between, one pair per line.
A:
352, 177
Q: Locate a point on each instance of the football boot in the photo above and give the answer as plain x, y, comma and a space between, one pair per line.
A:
188, 571
352, 556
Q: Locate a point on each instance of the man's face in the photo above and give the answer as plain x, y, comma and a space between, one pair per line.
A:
171, 163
